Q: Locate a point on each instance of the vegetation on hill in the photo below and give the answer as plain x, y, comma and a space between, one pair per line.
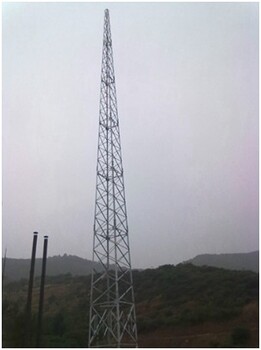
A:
15, 269
237, 261
176, 306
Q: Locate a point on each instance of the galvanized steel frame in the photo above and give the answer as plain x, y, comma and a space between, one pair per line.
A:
112, 308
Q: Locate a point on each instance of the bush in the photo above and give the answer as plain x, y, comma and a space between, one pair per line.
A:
240, 336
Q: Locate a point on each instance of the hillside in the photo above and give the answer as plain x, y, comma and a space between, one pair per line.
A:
176, 306
237, 261
57, 265
19, 268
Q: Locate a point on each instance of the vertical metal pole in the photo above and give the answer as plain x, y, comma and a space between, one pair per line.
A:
30, 292
4, 264
41, 298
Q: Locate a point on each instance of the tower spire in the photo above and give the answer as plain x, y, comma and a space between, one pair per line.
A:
112, 309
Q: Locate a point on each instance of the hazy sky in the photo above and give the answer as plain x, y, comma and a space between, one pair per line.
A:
187, 88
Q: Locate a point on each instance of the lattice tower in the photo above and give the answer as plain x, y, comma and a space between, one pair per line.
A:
112, 308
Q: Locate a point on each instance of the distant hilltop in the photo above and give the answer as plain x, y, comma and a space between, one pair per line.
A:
57, 265
70, 264
236, 261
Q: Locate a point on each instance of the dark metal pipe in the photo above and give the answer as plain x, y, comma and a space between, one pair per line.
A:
30, 293
41, 299
3, 272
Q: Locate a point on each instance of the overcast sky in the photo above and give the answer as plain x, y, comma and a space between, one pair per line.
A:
187, 89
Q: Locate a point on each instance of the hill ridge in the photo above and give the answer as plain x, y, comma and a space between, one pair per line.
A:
56, 265
17, 268
232, 261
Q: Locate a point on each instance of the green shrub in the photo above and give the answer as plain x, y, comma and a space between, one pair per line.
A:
240, 336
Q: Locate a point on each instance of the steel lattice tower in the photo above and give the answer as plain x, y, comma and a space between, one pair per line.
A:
112, 309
